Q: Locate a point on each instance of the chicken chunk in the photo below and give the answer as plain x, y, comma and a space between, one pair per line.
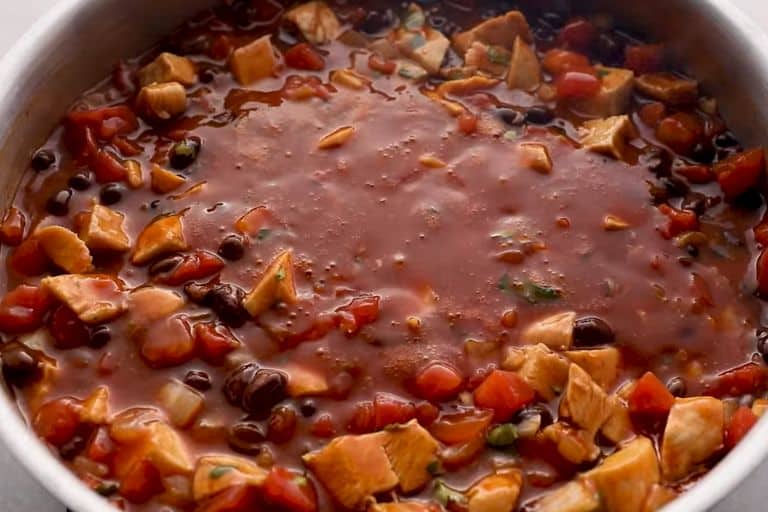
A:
353, 468
182, 403
94, 299
104, 230
616, 85
411, 450
499, 31
305, 382
576, 446
618, 426
524, 68
162, 101
254, 61
535, 156
625, 478
65, 249
162, 236
215, 473
669, 88
584, 402
544, 370
425, 45
694, 433
602, 364
608, 136
495, 493
150, 303
168, 67
276, 284
576, 496
556, 331
316, 20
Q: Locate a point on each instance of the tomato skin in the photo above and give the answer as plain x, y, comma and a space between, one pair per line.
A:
323, 427
741, 423
438, 382
28, 259
196, 265
141, 482
303, 56
106, 168
644, 58
680, 131
100, 447
740, 172
105, 122
214, 341
579, 34
558, 61
290, 491
696, 174
358, 313
57, 421
747, 378
504, 393
382, 65
652, 113
390, 409
461, 427
23, 309
577, 85
67, 329
650, 397
679, 221
426, 413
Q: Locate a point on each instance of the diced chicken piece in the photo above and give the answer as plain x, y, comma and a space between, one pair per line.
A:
535, 156
353, 468
162, 101
150, 303
576, 496
404, 506
584, 402
669, 88
168, 67
132, 425
316, 20
104, 230
602, 364
759, 407
276, 284
161, 236
215, 473
618, 426
496, 493
658, 497
544, 370
168, 451
254, 61
556, 331
95, 409
65, 249
625, 478
499, 31
694, 433
305, 382
164, 181
524, 68
411, 449
465, 86
576, 446
608, 136
94, 299
614, 96
427, 47
182, 403
411, 70
480, 57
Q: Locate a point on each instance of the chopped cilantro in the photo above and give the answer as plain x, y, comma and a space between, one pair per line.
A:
220, 471
601, 73
502, 436
263, 233
511, 134
435, 468
529, 290
498, 56
107, 488
445, 495
281, 274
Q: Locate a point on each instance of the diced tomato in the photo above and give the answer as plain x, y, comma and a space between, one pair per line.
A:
558, 61
323, 324
650, 397
382, 65
221, 47
389, 409
363, 420
467, 122
578, 34
740, 172
57, 421
105, 122
359, 313
504, 393
696, 174
438, 382
290, 491
23, 309
168, 343
141, 482
196, 265
12, 228
100, 446
652, 113
577, 85
680, 131
644, 58
67, 329
426, 413
126, 147
214, 341
303, 56
106, 168
238, 498
747, 378
679, 221
741, 423
28, 259
461, 427
323, 426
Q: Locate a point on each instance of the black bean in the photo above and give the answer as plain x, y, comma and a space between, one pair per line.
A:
591, 330
266, 389
43, 160
704, 153
725, 140
100, 336
281, 425
197, 292
539, 115
692, 250
246, 437
80, 181
207, 76
749, 200
111, 193
58, 203
184, 153
609, 49
165, 265
198, 379
236, 382
658, 161
377, 22
226, 301
308, 408
677, 387
21, 366
511, 117
232, 247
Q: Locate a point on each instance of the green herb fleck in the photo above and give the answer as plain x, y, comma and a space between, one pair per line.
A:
446, 496
435, 468
281, 274
107, 488
529, 290
263, 233
301, 480
602, 73
502, 436
220, 471
498, 56
511, 135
